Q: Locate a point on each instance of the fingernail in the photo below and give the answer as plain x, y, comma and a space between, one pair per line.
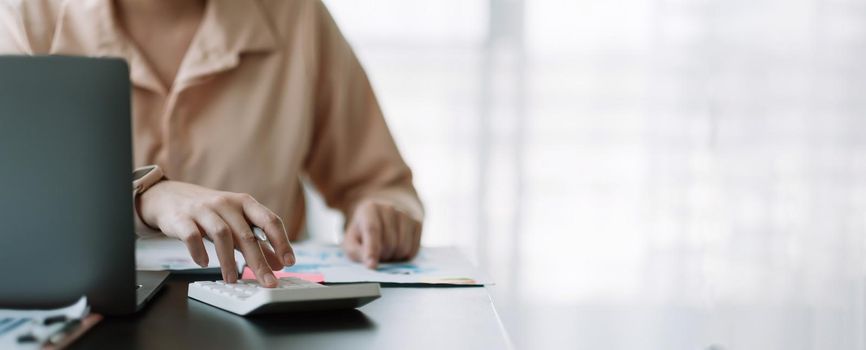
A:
371, 263
289, 259
270, 280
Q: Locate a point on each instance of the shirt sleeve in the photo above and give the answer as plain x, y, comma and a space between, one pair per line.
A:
353, 156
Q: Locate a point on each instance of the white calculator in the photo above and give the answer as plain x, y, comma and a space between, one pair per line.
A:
247, 297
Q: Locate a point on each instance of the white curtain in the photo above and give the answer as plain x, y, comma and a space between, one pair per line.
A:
638, 174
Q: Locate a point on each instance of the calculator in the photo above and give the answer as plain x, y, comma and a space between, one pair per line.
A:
247, 297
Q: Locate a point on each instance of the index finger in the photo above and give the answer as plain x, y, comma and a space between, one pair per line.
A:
371, 238
249, 246
273, 226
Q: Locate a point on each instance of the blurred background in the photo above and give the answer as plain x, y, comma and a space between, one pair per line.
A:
636, 174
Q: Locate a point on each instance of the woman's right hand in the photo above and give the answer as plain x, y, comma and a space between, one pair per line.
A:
189, 213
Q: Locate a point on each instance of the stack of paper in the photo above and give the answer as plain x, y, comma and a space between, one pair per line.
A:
45, 329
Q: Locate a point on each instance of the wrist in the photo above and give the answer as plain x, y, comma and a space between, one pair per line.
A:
401, 200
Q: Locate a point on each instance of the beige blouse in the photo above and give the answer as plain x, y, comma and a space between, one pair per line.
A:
269, 93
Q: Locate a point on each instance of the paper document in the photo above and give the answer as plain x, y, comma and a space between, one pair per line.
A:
39, 329
74, 311
166, 253
433, 265
318, 262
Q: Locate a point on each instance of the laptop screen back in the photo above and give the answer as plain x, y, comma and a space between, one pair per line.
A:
66, 225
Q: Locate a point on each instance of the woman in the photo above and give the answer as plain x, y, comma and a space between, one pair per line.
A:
235, 101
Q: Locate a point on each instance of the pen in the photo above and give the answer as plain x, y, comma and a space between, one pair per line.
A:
68, 328
54, 319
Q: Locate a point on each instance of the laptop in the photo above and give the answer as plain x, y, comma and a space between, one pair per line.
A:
66, 214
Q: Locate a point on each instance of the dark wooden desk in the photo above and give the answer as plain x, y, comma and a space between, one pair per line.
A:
417, 318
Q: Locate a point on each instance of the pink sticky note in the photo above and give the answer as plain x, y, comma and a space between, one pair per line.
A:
312, 277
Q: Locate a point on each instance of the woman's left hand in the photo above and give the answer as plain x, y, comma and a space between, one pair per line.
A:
380, 232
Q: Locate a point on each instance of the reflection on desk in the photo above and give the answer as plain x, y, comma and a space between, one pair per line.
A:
420, 318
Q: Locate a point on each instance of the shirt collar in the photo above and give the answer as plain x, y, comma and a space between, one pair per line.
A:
228, 29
